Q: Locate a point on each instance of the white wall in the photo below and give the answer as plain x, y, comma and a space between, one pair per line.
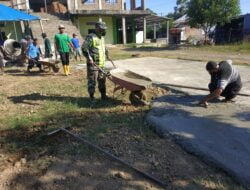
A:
139, 37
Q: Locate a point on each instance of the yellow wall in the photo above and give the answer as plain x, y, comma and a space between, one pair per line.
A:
83, 20
9, 28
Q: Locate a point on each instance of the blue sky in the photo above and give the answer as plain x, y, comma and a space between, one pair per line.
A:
166, 6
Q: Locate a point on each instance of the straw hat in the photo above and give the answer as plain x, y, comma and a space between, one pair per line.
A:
61, 26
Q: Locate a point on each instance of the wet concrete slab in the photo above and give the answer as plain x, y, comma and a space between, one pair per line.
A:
180, 72
219, 134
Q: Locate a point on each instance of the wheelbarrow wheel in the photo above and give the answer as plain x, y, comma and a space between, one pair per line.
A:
138, 98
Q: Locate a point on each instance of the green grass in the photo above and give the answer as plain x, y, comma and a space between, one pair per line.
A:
65, 110
231, 48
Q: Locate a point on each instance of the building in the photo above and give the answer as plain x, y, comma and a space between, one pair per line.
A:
183, 33
125, 25
120, 21
237, 30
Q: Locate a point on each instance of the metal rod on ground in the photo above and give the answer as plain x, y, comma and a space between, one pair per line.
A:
148, 176
197, 88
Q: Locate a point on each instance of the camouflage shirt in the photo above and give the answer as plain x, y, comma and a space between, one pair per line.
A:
94, 49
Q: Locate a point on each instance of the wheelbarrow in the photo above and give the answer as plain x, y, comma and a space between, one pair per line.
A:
128, 80
50, 64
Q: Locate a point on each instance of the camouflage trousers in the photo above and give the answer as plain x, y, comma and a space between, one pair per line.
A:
93, 75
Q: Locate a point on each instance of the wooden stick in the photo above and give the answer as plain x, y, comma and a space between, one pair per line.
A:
196, 88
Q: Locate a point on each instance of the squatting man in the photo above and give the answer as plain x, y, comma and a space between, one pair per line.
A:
225, 81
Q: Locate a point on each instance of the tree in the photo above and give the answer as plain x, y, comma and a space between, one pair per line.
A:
207, 13
179, 10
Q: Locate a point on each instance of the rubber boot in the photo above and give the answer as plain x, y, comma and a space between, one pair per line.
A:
65, 70
68, 70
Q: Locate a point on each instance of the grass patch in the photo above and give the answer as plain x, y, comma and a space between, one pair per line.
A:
231, 48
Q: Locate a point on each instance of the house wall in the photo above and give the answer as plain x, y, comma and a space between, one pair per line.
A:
87, 22
21, 4
195, 33
185, 33
247, 22
7, 3
18, 4
246, 28
139, 37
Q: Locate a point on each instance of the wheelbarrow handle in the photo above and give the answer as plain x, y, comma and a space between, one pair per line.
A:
33, 60
112, 63
102, 70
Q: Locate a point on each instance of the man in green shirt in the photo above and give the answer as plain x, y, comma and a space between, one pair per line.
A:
63, 45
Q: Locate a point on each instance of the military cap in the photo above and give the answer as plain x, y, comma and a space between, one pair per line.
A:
101, 25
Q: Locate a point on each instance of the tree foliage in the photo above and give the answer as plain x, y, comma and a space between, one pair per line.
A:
179, 10
208, 13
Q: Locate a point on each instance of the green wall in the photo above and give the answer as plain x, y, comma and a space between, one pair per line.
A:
9, 28
83, 20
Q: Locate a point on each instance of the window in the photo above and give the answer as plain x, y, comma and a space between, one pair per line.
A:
88, 1
111, 1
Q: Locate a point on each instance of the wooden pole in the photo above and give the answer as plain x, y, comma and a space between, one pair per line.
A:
14, 24
41, 25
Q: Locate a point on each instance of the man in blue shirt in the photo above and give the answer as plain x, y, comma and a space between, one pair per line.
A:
34, 53
77, 49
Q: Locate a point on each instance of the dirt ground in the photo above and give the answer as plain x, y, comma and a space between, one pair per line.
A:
33, 105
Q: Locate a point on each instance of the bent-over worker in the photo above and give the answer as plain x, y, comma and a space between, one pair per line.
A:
225, 81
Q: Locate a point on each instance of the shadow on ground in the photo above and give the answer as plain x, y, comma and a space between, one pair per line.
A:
81, 102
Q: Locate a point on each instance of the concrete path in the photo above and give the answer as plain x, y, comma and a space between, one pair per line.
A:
219, 134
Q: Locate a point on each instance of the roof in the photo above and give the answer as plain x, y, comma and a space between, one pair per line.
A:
151, 19
9, 14
240, 16
181, 20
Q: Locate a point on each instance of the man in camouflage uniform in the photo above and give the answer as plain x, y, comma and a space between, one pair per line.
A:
94, 50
